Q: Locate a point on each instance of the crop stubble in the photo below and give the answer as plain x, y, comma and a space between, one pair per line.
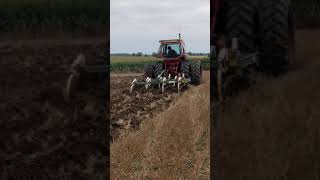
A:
272, 130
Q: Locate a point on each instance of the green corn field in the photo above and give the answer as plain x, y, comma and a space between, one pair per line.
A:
136, 64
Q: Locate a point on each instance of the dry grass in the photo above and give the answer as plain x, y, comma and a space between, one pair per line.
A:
272, 130
173, 145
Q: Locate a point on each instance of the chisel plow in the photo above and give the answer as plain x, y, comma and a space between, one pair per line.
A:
161, 82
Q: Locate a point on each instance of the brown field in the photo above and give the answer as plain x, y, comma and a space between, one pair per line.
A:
173, 139
272, 131
129, 110
42, 137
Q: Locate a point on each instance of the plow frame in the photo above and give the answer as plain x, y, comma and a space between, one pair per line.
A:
161, 81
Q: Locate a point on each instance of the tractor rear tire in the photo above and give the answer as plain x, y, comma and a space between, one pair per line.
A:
275, 28
148, 71
185, 68
158, 68
196, 72
240, 23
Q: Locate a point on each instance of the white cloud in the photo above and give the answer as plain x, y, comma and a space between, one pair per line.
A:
137, 25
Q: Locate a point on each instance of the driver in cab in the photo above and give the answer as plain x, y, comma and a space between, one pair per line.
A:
171, 53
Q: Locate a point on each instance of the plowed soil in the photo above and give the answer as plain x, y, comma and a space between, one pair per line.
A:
41, 136
174, 144
128, 110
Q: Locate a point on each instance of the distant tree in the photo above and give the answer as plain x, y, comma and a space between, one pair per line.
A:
154, 54
139, 54
133, 54
190, 53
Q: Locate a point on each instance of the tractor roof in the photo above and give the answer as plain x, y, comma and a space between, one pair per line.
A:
170, 41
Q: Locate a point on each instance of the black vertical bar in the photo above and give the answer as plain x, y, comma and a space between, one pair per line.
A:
108, 92
213, 107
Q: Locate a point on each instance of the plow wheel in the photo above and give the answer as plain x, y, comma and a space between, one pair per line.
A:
196, 72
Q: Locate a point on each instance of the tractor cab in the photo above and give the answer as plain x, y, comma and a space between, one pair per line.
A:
173, 49
172, 52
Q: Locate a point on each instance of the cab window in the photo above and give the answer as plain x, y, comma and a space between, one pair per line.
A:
175, 49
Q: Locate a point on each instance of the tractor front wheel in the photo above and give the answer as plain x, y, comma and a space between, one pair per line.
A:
185, 68
277, 49
158, 68
148, 71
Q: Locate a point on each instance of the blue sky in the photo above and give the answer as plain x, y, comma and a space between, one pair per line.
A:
138, 25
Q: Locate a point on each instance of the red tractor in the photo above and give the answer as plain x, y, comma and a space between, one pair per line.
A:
246, 36
174, 69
